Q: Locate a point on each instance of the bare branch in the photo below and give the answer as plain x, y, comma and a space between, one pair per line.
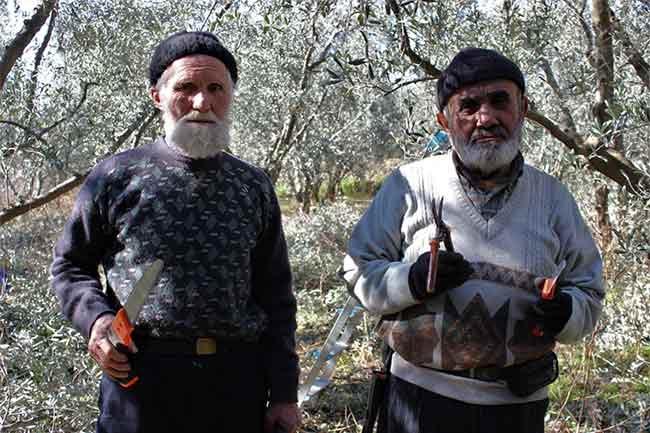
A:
366, 44
19, 425
121, 139
17, 46
77, 179
37, 62
38, 134
405, 45
407, 83
604, 63
145, 125
567, 118
608, 161
635, 58
301, 132
84, 95
7, 215
603, 220
586, 28
284, 141
28, 130
224, 8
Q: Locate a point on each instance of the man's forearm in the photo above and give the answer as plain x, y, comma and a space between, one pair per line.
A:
381, 287
79, 292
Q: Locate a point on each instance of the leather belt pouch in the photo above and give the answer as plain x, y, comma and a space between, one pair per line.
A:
528, 377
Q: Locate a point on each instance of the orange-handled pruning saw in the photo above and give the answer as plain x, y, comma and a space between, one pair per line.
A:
119, 334
549, 287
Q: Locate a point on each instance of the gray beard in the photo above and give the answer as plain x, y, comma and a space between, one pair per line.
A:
488, 158
198, 141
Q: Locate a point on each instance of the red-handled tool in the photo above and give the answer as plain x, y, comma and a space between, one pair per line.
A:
549, 287
434, 247
119, 334
442, 235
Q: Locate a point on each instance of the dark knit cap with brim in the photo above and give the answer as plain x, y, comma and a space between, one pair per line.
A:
183, 44
473, 65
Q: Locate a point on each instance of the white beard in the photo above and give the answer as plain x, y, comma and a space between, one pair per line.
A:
194, 140
488, 158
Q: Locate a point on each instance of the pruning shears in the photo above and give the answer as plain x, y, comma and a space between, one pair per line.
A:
119, 333
442, 234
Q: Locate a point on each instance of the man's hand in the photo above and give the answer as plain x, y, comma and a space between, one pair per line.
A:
453, 270
552, 315
113, 363
282, 418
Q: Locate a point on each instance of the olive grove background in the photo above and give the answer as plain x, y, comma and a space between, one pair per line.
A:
332, 96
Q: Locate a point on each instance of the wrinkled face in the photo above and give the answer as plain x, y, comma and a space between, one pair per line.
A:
484, 121
194, 94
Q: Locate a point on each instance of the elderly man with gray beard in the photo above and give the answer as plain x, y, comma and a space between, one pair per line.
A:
472, 348
214, 347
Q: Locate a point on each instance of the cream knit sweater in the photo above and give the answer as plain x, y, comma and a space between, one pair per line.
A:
481, 322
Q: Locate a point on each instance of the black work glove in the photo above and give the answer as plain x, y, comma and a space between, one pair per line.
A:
551, 315
453, 270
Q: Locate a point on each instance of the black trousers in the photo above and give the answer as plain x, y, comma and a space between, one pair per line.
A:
221, 393
411, 409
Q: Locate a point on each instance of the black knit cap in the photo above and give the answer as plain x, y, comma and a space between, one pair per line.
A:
473, 65
183, 44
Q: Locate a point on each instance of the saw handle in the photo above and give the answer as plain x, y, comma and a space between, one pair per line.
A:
123, 329
132, 378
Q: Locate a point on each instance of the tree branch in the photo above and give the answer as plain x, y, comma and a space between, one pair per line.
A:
608, 161
405, 45
84, 95
77, 179
283, 143
604, 65
37, 63
589, 36
635, 58
38, 134
567, 123
224, 8
17, 46
407, 83
19, 425
28, 130
143, 127
7, 215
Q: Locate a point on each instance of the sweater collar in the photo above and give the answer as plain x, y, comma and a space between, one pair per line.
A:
170, 153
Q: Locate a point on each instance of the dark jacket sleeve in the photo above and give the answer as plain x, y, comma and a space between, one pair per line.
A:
272, 290
77, 255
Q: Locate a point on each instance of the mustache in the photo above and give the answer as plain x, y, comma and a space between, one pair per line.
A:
198, 116
492, 131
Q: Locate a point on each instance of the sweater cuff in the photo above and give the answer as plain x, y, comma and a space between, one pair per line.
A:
284, 389
87, 326
398, 289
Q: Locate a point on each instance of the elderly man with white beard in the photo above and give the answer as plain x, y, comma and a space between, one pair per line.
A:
213, 344
471, 343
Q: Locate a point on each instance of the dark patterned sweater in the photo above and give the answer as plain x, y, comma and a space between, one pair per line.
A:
214, 222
